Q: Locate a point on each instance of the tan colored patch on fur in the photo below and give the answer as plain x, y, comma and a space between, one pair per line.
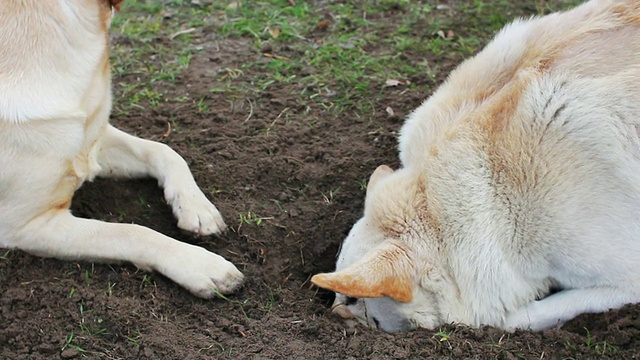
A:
433, 151
388, 271
104, 15
71, 171
116, 4
396, 288
63, 192
498, 130
543, 65
105, 64
629, 13
402, 207
499, 109
451, 134
64, 205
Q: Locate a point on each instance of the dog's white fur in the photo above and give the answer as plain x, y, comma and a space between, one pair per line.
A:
55, 99
518, 201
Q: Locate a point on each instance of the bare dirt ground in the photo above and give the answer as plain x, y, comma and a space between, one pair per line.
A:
288, 172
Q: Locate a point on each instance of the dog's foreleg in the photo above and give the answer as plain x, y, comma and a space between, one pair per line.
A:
124, 155
61, 235
556, 309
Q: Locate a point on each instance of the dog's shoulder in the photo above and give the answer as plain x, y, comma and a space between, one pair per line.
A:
52, 61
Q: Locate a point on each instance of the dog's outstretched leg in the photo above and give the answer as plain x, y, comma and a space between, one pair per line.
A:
124, 155
59, 234
562, 306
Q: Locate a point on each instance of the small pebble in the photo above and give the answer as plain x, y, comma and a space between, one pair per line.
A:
69, 353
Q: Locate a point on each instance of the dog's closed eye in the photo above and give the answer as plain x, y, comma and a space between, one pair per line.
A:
350, 300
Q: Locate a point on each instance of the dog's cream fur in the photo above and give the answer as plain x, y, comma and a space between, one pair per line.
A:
55, 98
518, 201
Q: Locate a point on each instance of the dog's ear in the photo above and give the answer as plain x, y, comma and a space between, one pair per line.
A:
386, 270
116, 4
380, 173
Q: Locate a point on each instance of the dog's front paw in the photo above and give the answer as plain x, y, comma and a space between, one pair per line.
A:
195, 213
202, 272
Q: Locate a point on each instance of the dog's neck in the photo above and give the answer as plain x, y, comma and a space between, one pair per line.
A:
51, 53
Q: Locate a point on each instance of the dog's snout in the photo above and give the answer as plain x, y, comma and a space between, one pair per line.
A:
343, 311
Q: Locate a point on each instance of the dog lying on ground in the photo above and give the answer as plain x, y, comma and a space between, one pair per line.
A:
55, 99
517, 204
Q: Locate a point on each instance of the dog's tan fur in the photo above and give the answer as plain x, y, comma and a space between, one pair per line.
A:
519, 175
55, 99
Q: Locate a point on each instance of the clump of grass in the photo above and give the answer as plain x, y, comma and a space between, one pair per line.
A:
250, 218
600, 347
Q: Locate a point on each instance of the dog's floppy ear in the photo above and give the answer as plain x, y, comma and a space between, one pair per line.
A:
380, 173
116, 4
386, 270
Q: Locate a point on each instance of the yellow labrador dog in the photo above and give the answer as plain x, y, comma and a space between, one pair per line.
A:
518, 201
55, 99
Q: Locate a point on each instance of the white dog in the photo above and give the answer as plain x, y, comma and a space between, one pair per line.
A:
518, 201
55, 98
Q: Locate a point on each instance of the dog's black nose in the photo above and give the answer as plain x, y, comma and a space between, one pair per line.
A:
375, 321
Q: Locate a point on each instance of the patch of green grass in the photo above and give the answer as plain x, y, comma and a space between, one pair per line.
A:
362, 184
5, 255
266, 20
149, 32
333, 56
250, 218
134, 338
143, 202
442, 335
122, 214
271, 301
87, 278
241, 304
601, 347
110, 287
70, 343
147, 281
329, 197
89, 327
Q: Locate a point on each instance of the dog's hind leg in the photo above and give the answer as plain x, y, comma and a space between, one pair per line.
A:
124, 155
61, 235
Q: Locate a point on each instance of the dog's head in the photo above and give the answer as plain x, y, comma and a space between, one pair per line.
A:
387, 274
